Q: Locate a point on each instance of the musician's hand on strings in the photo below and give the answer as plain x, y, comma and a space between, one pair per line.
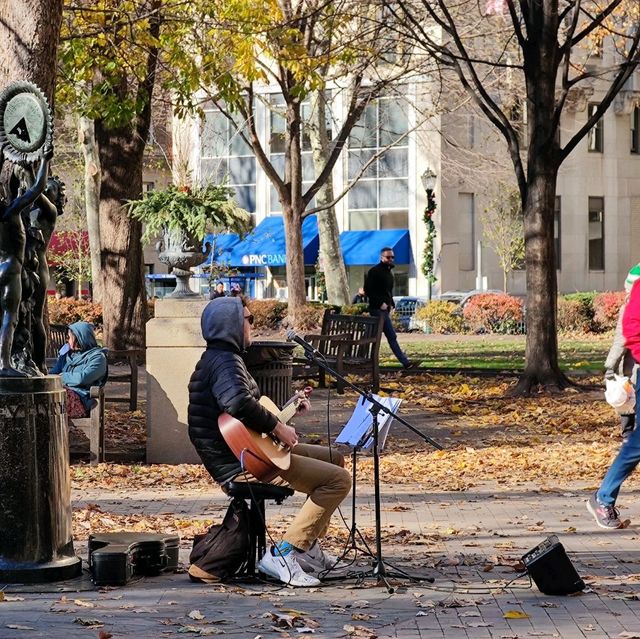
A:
286, 434
304, 404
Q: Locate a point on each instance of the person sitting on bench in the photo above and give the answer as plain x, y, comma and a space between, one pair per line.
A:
220, 384
81, 364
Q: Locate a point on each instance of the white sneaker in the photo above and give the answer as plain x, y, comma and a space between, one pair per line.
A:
286, 569
316, 560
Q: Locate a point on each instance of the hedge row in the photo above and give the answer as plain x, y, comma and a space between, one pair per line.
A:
589, 312
484, 313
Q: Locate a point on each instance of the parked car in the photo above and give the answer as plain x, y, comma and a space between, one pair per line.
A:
405, 310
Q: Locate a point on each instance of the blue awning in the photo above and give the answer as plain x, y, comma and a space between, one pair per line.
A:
220, 246
265, 245
362, 248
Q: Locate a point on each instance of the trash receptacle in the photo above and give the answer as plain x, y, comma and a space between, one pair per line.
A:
271, 365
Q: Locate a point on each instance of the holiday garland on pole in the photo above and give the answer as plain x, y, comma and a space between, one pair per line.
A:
428, 262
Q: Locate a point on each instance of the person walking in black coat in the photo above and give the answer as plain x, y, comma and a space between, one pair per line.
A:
378, 287
220, 384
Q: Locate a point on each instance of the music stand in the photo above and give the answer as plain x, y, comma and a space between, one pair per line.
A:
379, 570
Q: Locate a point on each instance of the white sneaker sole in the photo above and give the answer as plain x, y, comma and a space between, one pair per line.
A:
273, 574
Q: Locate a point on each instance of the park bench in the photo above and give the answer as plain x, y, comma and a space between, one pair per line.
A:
350, 344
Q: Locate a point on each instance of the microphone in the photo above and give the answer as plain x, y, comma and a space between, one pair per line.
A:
292, 336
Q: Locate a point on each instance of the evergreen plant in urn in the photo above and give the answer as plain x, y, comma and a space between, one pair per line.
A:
181, 216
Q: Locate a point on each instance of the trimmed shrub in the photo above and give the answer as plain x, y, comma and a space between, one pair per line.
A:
606, 307
355, 309
571, 316
585, 299
493, 313
309, 317
267, 313
439, 315
67, 310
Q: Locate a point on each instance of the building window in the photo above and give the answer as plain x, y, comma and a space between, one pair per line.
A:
635, 130
277, 147
595, 137
225, 156
380, 197
556, 231
596, 234
466, 231
147, 187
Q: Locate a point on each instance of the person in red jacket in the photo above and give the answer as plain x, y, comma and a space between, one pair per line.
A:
602, 504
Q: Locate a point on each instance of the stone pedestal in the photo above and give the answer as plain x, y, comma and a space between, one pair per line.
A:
36, 543
174, 345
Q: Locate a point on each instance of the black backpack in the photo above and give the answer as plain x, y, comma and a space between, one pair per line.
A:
223, 550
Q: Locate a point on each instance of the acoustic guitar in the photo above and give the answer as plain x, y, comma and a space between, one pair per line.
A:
261, 454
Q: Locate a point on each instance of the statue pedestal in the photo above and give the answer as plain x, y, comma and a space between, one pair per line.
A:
36, 543
174, 346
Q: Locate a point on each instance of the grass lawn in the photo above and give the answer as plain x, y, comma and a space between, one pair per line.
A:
496, 352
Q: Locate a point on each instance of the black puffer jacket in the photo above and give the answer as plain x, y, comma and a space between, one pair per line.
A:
222, 384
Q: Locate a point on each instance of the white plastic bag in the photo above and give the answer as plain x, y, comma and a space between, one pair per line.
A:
620, 394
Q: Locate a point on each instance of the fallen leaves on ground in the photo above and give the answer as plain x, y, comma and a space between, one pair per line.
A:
548, 439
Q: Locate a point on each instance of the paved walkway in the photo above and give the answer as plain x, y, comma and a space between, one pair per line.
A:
468, 542
460, 539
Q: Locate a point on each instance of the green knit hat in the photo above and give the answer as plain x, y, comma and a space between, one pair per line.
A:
633, 275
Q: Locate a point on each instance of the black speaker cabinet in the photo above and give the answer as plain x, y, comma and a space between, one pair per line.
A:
551, 569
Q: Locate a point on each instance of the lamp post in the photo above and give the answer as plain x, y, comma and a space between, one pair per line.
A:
428, 179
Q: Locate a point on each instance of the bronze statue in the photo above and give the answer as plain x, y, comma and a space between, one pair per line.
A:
16, 196
42, 222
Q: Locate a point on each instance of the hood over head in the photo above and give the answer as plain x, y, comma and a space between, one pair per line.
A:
85, 335
223, 320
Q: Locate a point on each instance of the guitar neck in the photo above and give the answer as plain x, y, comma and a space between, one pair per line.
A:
288, 412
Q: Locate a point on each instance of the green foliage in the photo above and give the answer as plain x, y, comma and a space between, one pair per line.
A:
267, 313
67, 310
194, 210
439, 316
493, 313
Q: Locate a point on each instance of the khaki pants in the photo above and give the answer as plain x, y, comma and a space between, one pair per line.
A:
320, 475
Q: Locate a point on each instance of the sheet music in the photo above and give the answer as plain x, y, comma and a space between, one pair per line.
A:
358, 431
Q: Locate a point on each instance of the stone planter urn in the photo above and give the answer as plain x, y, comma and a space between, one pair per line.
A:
180, 251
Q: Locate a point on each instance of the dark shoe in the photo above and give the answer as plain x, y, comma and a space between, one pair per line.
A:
605, 516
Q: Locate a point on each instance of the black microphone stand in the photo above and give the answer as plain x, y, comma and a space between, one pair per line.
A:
379, 570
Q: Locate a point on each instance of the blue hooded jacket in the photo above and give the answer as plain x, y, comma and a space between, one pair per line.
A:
85, 367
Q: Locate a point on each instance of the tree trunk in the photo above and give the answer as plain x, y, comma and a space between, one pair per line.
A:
541, 352
297, 296
292, 212
122, 260
29, 32
332, 262
87, 136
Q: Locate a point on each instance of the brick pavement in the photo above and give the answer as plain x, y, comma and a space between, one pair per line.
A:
461, 533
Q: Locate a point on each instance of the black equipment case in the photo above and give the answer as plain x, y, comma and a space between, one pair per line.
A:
551, 569
116, 557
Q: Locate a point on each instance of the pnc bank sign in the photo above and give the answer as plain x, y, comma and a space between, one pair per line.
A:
279, 259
